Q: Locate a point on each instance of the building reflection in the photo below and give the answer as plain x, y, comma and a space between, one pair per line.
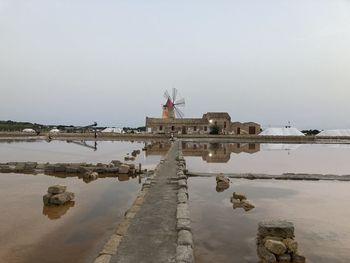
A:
210, 152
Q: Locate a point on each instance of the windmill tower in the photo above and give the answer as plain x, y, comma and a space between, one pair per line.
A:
170, 108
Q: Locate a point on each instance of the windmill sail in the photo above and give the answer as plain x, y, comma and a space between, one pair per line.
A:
170, 109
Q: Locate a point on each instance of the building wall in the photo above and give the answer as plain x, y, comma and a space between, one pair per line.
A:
201, 125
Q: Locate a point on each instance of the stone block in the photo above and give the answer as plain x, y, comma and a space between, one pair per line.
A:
182, 183
182, 198
298, 258
103, 259
238, 196
184, 254
123, 227
284, 258
185, 238
182, 211
112, 244
124, 169
183, 224
277, 228
276, 247
60, 199
266, 255
292, 245
57, 189
46, 199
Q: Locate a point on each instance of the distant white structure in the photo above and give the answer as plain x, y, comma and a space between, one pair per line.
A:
114, 130
28, 130
54, 130
341, 132
285, 131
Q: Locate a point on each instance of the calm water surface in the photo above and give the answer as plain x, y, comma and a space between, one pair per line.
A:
319, 211
30, 232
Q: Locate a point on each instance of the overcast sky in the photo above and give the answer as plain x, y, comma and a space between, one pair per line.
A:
270, 61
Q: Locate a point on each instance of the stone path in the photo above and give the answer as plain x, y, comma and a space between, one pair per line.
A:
152, 235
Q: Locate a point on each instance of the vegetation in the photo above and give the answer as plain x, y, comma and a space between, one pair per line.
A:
310, 132
19, 126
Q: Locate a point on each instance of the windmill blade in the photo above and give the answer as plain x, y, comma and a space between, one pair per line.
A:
180, 102
174, 94
167, 95
179, 113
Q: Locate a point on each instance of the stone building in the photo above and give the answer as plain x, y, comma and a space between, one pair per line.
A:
209, 121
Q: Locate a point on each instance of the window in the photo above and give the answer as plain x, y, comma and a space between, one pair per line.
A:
195, 128
224, 124
252, 130
205, 128
160, 127
238, 130
172, 128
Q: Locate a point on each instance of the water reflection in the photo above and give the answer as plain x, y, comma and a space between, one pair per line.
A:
210, 152
55, 212
84, 143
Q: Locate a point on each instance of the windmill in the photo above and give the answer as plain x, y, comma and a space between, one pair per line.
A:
170, 108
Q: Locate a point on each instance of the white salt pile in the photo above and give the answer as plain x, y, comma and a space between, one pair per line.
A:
285, 131
342, 132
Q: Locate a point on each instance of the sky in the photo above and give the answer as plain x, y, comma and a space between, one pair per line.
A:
271, 61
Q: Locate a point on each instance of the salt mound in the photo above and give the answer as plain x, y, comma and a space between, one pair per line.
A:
286, 131
115, 130
343, 132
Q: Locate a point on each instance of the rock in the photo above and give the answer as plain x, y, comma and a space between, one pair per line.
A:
236, 203
182, 198
46, 199
72, 169
277, 228
183, 224
298, 259
57, 189
276, 247
185, 238
60, 199
222, 178
59, 168
266, 255
284, 258
247, 206
182, 183
184, 254
5, 169
292, 245
90, 176
222, 186
182, 211
239, 196
124, 169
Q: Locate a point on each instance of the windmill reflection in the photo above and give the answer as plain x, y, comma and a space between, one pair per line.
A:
210, 152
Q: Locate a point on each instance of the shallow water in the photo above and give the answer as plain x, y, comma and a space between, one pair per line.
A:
74, 151
30, 232
319, 211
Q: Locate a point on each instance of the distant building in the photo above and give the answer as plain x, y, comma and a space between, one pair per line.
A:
211, 121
